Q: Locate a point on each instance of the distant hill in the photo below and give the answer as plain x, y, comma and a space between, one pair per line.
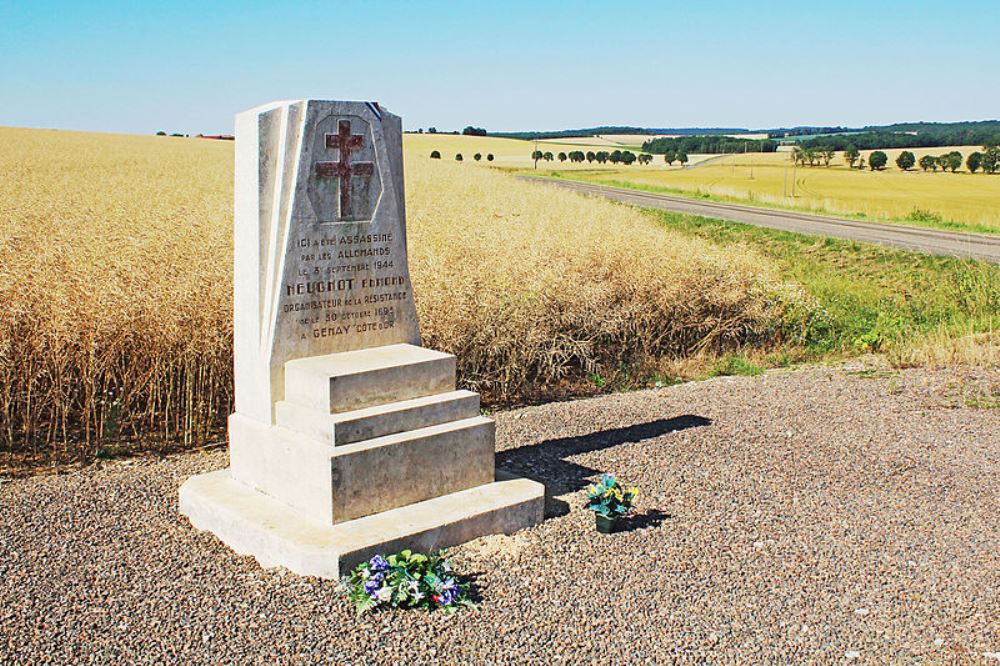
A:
896, 135
618, 129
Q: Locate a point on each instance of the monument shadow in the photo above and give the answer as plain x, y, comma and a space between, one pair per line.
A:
546, 461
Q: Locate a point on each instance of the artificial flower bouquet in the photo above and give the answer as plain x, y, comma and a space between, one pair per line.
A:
406, 580
609, 500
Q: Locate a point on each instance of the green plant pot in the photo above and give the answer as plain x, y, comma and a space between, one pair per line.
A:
605, 524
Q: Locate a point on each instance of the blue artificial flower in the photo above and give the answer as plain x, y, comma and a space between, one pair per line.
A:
449, 593
378, 563
373, 584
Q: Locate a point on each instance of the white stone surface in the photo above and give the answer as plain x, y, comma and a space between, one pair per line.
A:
253, 524
284, 464
370, 422
347, 381
395, 470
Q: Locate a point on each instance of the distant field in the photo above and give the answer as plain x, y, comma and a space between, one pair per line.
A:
516, 153
612, 141
960, 200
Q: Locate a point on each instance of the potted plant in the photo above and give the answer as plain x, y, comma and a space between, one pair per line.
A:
609, 501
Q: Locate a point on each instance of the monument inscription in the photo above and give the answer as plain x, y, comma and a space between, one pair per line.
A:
330, 236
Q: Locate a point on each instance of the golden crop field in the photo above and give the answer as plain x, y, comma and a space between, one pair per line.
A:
117, 321
968, 200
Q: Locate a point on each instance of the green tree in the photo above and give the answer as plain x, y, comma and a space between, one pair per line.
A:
537, 155
548, 156
489, 157
906, 160
877, 160
974, 161
477, 156
435, 155
928, 162
682, 157
562, 157
952, 160
827, 154
991, 156
458, 157
602, 156
670, 157
591, 156
628, 157
616, 156
851, 156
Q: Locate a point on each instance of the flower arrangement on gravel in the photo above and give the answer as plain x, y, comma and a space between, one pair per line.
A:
609, 498
406, 580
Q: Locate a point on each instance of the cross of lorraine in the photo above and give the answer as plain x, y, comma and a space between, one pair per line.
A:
346, 188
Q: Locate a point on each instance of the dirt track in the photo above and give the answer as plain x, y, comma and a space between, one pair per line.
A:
916, 239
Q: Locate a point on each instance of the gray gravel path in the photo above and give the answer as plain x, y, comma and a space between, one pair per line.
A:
809, 516
916, 239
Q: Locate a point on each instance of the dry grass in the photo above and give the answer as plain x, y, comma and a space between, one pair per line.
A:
115, 280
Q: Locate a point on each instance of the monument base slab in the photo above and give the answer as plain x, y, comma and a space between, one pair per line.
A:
252, 523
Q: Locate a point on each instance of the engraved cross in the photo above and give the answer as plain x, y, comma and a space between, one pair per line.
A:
344, 169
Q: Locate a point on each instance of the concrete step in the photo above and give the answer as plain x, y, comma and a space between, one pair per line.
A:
371, 422
252, 523
395, 470
353, 380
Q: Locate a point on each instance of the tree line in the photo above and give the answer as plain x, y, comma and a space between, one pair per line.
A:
709, 144
601, 157
967, 134
436, 155
988, 159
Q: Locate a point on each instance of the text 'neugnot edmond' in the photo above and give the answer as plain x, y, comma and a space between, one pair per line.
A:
345, 284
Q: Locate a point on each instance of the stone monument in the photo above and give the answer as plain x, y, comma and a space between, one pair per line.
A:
348, 438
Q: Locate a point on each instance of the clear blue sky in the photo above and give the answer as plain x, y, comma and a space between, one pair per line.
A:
189, 66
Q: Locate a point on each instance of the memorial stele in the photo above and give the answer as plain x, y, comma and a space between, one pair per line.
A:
348, 438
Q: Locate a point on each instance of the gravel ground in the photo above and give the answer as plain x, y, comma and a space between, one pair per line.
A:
808, 516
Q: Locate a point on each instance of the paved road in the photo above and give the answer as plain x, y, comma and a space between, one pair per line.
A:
916, 239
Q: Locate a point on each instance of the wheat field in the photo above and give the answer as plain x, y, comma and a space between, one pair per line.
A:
117, 332
965, 200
